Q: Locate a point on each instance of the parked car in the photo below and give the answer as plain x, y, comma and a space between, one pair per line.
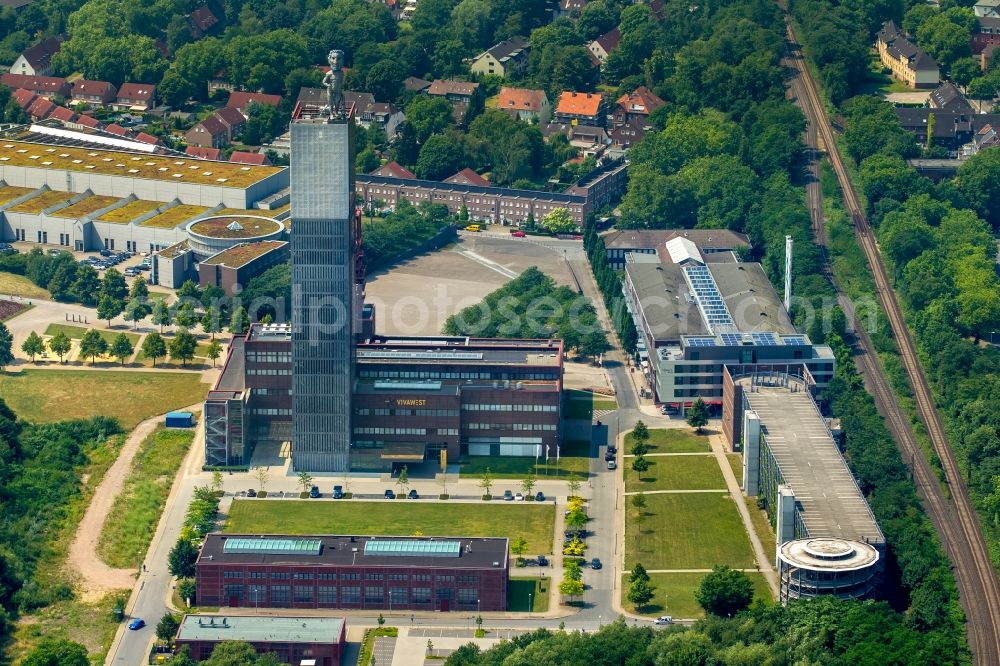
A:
106, 252
539, 496
542, 562
519, 497
251, 493
338, 492
518, 234
314, 492
612, 464
508, 496
664, 619
412, 495
612, 448
595, 563
131, 272
136, 624
389, 494
610, 455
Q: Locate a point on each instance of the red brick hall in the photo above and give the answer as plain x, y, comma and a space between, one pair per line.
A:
359, 572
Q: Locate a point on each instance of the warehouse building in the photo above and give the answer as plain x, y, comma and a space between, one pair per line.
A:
828, 542
316, 641
697, 312
353, 572
88, 198
413, 399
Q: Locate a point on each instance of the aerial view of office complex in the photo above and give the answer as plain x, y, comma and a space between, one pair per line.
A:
372, 332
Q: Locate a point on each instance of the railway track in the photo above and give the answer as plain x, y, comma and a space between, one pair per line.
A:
954, 518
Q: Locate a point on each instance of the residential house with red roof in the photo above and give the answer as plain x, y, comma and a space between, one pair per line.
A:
93, 93
245, 157
393, 170
147, 138
210, 133
43, 86
467, 177
525, 104
115, 129
37, 60
602, 47
201, 21
233, 120
62, 114
241, 100
464, 96
203, 153
87, 121
40, 108
135, 97
630, 117
23, 97
579, 108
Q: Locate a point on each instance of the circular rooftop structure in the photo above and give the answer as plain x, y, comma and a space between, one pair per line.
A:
211, 235
828, 554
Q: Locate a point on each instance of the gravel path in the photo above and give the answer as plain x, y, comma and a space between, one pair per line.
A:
96, 577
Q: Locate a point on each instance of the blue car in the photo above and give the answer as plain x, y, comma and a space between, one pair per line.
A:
136, 624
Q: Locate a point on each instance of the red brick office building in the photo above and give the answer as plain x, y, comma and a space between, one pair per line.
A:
353, 572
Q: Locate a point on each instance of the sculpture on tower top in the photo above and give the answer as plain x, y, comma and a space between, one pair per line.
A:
334, 83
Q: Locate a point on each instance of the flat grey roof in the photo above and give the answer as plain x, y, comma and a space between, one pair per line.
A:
828, 498
260, 628
349, 551
752, 301
233, 377
661, 289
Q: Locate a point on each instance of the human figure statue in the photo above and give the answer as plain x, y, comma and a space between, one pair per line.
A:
334, 82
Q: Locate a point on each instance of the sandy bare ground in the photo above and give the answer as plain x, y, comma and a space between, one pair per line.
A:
96, 577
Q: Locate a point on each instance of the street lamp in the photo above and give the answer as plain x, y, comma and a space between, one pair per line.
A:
529, 604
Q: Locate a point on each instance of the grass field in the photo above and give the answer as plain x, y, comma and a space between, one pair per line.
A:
76, 333
535, 522
55, 395
761, 523
581, 404
671, 440
673, 594
18, 285
675, 473
518, 590
574, 458
132, 521
736, 462
688, 531
89, 624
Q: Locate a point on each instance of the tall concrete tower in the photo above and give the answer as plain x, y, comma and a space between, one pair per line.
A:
323, 290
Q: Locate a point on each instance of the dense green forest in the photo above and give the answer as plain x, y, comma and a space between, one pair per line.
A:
825, 631
533, 306
40, 477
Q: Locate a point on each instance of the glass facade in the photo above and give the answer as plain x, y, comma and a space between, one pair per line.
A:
322, 186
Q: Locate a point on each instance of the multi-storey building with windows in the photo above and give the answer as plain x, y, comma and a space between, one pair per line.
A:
412, 398
698, 312
360, 572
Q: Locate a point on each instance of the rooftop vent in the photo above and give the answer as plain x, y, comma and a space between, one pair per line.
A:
234, 226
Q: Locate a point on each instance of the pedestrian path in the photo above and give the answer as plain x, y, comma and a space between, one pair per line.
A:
679, 571
676, 492
664, 455
383, 650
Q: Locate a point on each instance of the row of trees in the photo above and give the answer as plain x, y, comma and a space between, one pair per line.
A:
532, 306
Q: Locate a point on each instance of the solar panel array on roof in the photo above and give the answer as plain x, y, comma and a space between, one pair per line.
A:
428, 355
732, 339
794, 340
706, 293
764, 339
413, 548
700, 342
271, 546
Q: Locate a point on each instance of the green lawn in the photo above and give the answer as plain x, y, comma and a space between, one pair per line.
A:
56, 395
671, 440
535, 522
581, 404
673, 594
132, 521
688, 531
675, 473
736, 462
760, 521
518, 590
77, 332
574, 459
89, 624
18, 285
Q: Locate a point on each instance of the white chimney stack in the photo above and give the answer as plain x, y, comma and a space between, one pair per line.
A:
788, 273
